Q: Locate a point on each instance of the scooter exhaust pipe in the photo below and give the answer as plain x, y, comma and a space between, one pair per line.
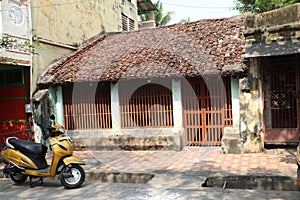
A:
12, 169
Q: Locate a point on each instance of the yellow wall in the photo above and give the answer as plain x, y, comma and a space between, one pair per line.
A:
71, 22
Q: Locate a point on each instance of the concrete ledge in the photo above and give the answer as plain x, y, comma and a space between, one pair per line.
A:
131, 139
231, 142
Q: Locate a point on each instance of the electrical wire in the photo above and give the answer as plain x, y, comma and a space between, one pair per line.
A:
196, 7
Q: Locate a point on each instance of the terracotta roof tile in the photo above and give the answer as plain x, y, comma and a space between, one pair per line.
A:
193, 49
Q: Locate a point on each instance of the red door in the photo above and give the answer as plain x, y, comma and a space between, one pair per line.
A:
12, 105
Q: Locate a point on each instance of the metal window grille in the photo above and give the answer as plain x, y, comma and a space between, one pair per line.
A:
207, 110
149, 106
88, 108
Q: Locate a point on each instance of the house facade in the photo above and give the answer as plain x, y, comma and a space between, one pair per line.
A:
15, 68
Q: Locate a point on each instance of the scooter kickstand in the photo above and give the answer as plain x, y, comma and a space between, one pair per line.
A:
31, 183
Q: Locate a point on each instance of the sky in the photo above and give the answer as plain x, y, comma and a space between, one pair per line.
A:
198, 9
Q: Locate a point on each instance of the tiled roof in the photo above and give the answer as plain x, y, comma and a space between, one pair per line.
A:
193, 49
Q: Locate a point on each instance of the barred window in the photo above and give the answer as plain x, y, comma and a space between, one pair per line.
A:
86, 107
149, 106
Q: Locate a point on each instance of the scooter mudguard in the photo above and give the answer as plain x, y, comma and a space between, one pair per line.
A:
73, 160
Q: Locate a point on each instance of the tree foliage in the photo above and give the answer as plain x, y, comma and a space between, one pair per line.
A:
260, 6
161, 19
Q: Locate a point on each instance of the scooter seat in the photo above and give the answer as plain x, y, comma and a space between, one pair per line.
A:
29, 147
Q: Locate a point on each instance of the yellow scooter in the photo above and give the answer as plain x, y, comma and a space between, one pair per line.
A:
25, 158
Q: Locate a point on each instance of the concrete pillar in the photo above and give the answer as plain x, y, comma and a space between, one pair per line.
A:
178, 130
59, 105
231, 142
251, 110
115, 107
177, 104
235, 98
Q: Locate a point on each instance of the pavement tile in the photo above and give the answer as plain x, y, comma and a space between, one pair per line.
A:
269, 163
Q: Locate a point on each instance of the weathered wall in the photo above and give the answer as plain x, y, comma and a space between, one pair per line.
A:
15, 21
268, 34
72, 22
43, 105
251, 113
273, 33
59, 26
46, 54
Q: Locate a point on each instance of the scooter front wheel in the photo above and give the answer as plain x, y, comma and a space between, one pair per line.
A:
72, 177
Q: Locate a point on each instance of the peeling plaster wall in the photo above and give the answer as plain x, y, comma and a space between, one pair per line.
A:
43, 106
58, 27
273, 33
251, 114
71, 22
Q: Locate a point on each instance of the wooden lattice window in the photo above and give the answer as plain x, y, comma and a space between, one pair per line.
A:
149, 106
87, 106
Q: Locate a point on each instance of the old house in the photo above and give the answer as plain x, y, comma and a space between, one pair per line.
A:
160, 88
232, 80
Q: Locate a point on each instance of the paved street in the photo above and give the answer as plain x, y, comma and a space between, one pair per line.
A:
51, 189
195, 159
177, 175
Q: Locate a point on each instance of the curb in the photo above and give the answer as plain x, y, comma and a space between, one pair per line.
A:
107, 176
118, 177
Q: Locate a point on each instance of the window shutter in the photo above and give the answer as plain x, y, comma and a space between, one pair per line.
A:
124, 23
131, 24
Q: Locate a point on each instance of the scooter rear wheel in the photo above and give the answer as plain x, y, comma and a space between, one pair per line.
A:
18, 178
72, 177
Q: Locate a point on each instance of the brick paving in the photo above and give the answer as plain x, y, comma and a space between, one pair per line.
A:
275, 162
271, 162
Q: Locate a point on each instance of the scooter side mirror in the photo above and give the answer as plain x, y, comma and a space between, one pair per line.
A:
52, 117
